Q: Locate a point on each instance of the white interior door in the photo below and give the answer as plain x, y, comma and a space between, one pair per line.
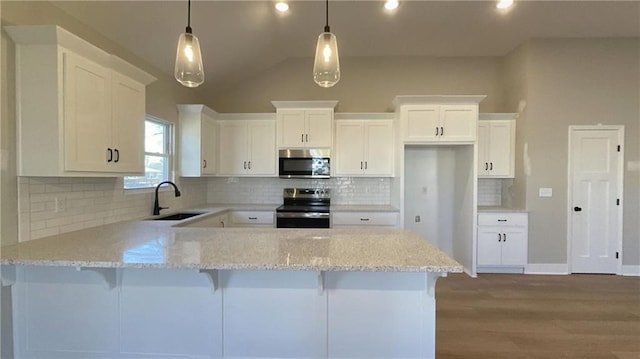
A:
596, 186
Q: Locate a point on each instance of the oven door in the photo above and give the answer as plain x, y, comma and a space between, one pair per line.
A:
302, 220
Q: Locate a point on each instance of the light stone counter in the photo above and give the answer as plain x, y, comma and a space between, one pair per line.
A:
364, 208
495, 209
159, 244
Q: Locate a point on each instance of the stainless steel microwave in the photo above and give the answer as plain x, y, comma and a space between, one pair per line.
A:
304, 163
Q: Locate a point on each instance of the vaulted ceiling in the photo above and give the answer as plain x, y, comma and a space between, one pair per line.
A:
240, 39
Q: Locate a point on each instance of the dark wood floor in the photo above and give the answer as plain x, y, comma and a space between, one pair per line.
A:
499, 316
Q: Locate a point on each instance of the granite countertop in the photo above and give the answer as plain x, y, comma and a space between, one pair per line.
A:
160, 244
496, 209
363, 208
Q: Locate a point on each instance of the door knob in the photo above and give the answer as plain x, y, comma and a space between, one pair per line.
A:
577, 209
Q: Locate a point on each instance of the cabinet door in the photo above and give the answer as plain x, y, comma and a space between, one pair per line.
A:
319, 126
233, 156
291, 128
514, 246
349, 148
209, 143
128, 116
87, 115
458, 123
483, 145
379, 151
500, 149
489, 249
420, 123
262, 148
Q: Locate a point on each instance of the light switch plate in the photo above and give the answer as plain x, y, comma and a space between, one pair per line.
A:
633, 166
545, 192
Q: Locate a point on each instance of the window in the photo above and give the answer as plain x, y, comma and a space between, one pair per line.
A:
157, 155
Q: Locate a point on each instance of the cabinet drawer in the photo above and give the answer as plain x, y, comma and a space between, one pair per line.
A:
387, 219
252, 217
502, 219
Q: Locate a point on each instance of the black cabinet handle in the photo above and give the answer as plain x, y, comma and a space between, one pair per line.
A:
486, 166
490, 166
436, 130
110, 157
499, 237
244, 164
361, 165
253, 218
504, 237
502, 220
249, 164
365, 165
306, 137
302, 137
204, 163
364, 219
117, 151
441, 131
577, 209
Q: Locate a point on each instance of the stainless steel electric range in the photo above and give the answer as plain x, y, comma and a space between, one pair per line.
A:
304, 208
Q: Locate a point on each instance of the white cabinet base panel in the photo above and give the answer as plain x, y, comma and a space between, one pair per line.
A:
61, 312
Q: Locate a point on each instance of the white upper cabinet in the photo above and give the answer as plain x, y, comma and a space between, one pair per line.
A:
198, 141
81, 111
364, 147
304, 124
247, 146
496, 145
429, 119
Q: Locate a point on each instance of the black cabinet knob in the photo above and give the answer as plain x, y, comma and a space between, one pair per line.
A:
577, 209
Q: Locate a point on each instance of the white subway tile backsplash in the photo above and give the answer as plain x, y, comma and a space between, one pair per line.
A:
50, 205
489, 192
345, 190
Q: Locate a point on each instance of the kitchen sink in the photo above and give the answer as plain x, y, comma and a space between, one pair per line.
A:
178, 216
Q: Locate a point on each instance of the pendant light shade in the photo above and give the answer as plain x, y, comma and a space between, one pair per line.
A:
326, 68
189, 70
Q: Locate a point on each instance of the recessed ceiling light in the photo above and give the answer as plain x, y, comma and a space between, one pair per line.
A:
391, 4
282, 6
504, 4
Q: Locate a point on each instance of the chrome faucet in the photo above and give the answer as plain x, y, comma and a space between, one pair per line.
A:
156, 206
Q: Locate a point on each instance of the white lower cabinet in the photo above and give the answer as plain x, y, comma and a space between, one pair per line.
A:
365, 219
502, 242
251, 219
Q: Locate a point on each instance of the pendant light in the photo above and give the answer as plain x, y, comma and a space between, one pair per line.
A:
189, 70
326, 68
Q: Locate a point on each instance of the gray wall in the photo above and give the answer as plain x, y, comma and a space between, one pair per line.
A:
578, 82
162, 95
369, 84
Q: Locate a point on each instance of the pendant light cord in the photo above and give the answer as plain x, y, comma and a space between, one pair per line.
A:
326, 26
188, 30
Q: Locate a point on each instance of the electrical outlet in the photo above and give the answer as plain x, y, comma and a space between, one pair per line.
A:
60, 204
418, 219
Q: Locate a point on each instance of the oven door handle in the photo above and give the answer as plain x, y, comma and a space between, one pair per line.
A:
302, 215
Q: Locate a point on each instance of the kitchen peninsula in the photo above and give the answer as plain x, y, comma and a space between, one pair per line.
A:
153, 289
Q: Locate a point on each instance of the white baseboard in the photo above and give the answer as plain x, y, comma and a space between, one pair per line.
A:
631, 271
547, 268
